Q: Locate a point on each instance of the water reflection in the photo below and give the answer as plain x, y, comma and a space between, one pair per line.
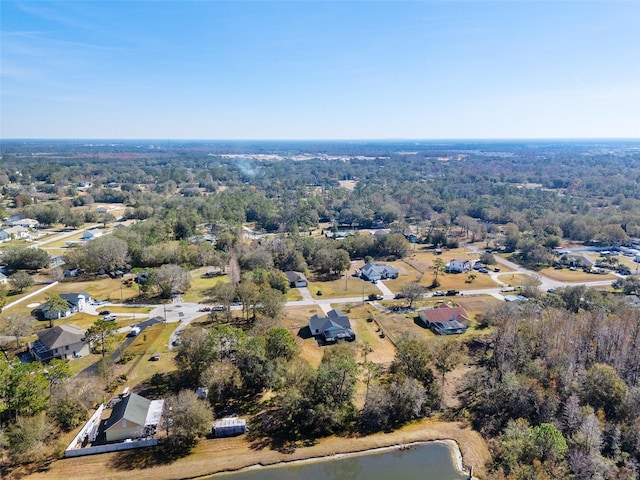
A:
429, 461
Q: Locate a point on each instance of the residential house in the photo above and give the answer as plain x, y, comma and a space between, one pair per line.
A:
132, 417
76, 302
4, 236
632, 300
335, 326
18, 232
3, 278
91, 234
23, 222
444, 319
459, 265
61, 341
374, 272
296, 279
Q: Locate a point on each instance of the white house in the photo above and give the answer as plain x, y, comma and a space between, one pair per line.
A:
23, 222
459, 265
18, 232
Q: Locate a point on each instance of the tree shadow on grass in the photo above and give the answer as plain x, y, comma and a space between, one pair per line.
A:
159, 455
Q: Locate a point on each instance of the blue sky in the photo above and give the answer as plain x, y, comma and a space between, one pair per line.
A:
320, 70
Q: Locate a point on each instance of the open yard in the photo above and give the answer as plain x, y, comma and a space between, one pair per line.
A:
154, 339
349, 286
198, 292
577, 276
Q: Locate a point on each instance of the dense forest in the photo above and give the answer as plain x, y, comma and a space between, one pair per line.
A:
555, 385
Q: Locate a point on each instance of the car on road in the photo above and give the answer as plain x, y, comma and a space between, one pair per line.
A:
374, 297
438, 293
104, 312
496, 269
451, 293
110, 318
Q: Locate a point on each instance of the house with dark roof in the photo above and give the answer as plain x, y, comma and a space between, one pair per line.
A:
296, 279
444, 319
132, 417
76, 302
62, 341
335, 326
374, 272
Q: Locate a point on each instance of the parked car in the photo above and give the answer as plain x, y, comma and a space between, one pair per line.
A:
399, 296
483, 270
319, 293
496, 269
110, 318
451, 293
438, 293
104, 312
374, 297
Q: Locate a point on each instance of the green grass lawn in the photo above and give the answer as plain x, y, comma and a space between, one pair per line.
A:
200, 286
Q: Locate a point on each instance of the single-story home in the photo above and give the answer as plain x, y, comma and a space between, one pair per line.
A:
459, 265
91, 234
632, 300
4, 236
296, 279
515, 298
335, 326
18, 232
61, 341
133, 417
444, 319
23, 222
374, 272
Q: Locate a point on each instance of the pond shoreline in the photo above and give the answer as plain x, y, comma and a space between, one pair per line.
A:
452, 446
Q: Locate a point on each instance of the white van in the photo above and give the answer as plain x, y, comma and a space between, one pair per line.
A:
134, 331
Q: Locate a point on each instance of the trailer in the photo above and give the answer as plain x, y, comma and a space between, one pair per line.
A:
228, 427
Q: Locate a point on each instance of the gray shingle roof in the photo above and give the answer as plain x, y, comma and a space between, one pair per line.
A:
61, 335
132, 408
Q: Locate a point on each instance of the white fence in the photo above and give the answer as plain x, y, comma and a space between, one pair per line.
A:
114, 447
90, 430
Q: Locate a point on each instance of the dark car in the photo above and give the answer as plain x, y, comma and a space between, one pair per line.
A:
451, 293
319, 293
105, 312
374, 297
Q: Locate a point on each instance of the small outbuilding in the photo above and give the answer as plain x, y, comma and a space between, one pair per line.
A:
229, 427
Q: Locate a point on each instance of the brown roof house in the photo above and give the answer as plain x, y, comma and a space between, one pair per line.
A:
445, 320
61, 341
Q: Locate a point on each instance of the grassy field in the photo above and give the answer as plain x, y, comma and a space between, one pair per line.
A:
295, 320
515, 279
152, 340
343, 287
577, 276
200, 286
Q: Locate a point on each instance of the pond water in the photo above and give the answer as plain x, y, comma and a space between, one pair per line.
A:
428, 461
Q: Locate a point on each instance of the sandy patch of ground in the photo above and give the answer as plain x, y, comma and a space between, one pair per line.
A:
33, 305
